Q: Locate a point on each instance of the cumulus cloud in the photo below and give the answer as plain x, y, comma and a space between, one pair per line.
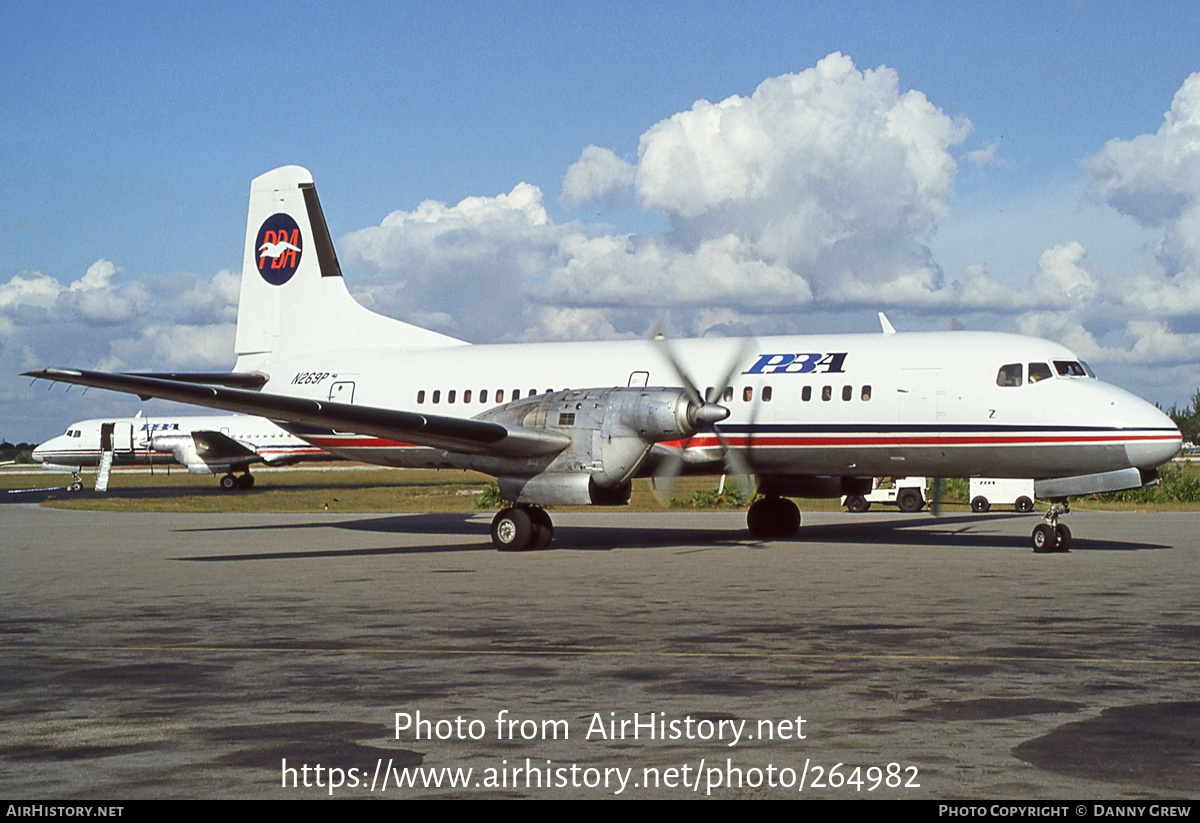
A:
470, 261
615, 271
832, 172
94, 299
215, 299
103, 318
1155, 179
819, 188
106, 319
982, 158
174, 347
1061, 273
28, 292
598, 174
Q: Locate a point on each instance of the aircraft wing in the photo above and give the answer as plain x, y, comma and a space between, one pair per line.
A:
234, 380
214, 447
451, 433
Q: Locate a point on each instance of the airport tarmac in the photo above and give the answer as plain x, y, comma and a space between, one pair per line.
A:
190, 655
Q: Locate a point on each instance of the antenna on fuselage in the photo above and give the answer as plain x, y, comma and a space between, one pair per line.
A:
888, 328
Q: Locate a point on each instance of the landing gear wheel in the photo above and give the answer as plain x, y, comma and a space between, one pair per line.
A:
773, 518
857, 504
1024, 505
543, 528
229, 482
512, 530
980, 505
76, 485
246, 481
910, 501
1064, 538
1045, 537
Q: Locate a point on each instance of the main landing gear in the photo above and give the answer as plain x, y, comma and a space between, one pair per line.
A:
773, 518
1050, 535
231, 481
521, 527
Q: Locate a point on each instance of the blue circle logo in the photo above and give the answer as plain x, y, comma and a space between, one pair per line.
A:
278, 248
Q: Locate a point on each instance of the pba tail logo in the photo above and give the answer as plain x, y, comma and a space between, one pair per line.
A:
278, 248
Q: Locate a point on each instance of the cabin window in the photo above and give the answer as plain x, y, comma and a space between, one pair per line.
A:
866, 393
437, 396
421, 396
566, 418
728, 393
766, 394
450, 396
483, 396
516, 394
806, 393
747, 394
499, 395
1069, 368
847, 392
709, 395
532, 392
1038, 371
467, 396
827, 393
1010, 375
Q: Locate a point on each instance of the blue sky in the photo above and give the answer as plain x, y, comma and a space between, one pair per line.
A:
129, 134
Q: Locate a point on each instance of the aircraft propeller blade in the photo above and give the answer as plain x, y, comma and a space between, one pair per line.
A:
663, 481
670, 469
737, 467
935, 505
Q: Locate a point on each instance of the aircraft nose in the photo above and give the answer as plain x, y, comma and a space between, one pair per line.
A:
1158, 442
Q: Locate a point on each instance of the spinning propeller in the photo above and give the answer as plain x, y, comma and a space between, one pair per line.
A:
673, 465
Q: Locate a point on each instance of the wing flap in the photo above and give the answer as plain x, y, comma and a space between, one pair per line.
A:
214, 447
451, 433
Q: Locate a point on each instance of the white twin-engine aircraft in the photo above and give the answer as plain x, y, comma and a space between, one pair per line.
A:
575, 423
213, 444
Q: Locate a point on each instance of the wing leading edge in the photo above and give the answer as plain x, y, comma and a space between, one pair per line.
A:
451, 433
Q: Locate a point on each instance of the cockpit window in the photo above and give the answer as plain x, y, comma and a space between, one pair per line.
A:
1038, 371
1069, 368
1010, 375
1087, 369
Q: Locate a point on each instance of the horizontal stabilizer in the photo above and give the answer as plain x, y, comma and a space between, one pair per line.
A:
235, 380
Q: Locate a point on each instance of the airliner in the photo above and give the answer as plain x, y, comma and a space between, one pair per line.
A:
215, 444
575, 423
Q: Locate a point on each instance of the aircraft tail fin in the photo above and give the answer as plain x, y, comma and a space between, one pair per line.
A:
293, 297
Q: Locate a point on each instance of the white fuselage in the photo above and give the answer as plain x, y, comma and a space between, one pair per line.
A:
139, 440
850, 405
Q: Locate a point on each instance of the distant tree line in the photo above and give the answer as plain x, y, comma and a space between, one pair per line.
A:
1187, 419
20, 452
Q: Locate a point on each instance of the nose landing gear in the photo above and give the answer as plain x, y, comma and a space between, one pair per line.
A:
1050, 535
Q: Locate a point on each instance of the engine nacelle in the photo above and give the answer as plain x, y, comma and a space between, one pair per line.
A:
183, 448
611, 432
